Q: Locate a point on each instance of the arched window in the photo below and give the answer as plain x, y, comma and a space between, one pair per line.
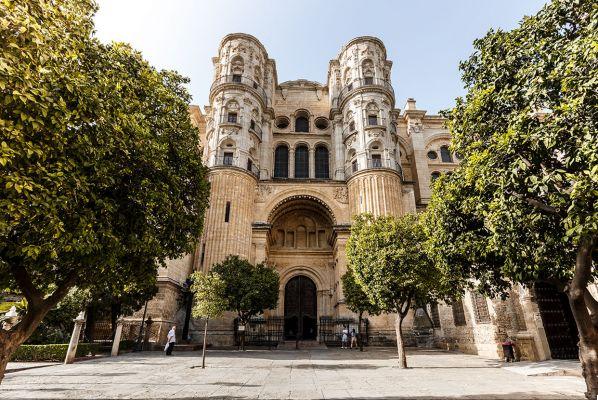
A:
322, 163
435, 175
301, 124
445, 154
281, 162
301, 162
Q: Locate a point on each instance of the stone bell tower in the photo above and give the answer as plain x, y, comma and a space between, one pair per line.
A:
363, 98
237, 132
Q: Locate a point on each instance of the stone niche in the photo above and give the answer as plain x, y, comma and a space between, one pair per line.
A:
301, 229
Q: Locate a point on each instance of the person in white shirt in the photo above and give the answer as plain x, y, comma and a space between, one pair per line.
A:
170, 341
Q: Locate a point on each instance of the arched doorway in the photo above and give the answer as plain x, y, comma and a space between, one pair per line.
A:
300, 309
557, 318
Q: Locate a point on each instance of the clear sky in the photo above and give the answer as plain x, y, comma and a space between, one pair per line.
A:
425, 39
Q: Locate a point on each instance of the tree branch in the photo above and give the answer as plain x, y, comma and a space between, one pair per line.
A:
25, 283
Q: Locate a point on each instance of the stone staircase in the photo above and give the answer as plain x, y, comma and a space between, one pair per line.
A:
302, 344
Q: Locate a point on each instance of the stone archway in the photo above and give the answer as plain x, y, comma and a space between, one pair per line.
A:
300, 247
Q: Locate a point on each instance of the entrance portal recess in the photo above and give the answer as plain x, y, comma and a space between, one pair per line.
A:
300, 309
558, 321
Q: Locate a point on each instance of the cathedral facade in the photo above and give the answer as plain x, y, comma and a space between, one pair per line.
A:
291, 162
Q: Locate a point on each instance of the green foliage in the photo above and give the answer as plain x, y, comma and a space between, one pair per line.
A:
208, 295
52, 352
389, 261
57, 326
101, 173
526, 194
355, 298
248, 289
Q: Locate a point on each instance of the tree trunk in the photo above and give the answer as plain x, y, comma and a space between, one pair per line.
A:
205, 341
400, 344
360, 334
588, 333
10, 340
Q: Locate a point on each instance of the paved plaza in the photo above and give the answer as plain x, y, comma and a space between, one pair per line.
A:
262, 374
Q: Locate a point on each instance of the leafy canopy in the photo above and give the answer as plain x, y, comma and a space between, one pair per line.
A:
101, 173
248, 289
526, 193
388, 260
355, 298
208, 295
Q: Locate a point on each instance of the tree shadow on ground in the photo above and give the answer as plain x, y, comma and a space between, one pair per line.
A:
493, 396
336, 366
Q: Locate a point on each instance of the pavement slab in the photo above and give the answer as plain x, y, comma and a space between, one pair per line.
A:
304, 374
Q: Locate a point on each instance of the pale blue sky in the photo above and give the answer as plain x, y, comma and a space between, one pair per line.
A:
424, 39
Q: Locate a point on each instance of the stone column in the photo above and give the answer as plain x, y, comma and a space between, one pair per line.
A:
312, 163
266, 162
291, 162
413, 117
339, 149
72, 350
117, 336
259, 233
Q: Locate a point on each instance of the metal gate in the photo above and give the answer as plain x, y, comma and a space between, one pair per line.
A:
331, 329
261, 331
558, 321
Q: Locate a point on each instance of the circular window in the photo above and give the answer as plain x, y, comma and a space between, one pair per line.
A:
322, 123
282, 122
432, 155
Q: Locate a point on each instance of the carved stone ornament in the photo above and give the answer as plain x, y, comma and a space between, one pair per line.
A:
263, 191
415, 126
375, 133
341, 195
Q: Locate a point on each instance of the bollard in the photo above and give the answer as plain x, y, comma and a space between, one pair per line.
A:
72, 350
117, 336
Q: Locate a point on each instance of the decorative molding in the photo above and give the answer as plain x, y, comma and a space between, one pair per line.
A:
341, 194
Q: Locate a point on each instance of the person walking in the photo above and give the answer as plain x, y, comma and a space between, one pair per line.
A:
507, 348
345, 339
170, 341
353, 338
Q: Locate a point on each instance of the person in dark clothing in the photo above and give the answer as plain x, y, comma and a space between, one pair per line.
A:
508, 349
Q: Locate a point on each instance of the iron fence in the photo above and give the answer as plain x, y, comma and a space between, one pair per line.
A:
331, 330
260, 331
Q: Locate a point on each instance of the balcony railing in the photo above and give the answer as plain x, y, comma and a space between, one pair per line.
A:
376, 122
242, 80
358, 83
228, 161
255, 128
231, 119
373, 163
348, 131
235, 119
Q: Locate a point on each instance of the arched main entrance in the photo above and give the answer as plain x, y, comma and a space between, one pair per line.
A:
300, 309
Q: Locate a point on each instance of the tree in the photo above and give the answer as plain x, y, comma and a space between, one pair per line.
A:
389, 261
357, 301
525, 199
208, 292
101, 175
249, 289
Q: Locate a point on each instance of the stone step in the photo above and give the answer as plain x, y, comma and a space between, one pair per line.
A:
302, 344
187, 346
